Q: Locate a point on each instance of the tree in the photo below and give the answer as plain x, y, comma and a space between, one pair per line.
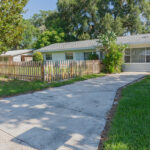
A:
29, 35
85, 19
79, 17
49, 37
113, 53
38, 20
53, 21
110, 24
10, 23
133, 13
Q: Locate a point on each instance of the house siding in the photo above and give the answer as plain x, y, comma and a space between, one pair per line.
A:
17, 58
62, 56
78, 55
58, 56
136, 67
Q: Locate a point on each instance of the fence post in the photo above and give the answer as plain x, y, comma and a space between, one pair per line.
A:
93, 66
43, 71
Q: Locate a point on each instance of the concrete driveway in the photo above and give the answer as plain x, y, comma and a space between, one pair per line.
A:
71, 117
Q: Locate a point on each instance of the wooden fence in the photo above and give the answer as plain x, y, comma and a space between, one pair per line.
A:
22, 70
48, 71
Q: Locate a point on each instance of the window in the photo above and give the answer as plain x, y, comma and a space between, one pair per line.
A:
138, 55
127, 56
4, 58
69, 56
86, 55
48, 56
148, 55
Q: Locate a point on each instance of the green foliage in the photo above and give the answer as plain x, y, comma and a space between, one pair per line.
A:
86, 19
10, 23
112, 24
93, 17
93, 57
37, 56
49, 37
53, 21
113, 53
39, 19
79, 17
29, 35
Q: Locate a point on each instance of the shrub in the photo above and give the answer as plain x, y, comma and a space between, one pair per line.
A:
113, 53
93, 57
37, 56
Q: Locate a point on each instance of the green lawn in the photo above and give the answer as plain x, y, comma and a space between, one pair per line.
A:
13, 87
130, 128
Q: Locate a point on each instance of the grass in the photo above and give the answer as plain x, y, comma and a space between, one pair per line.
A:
130, 128
14, 87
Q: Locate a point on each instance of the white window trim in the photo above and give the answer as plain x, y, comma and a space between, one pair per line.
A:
137, 62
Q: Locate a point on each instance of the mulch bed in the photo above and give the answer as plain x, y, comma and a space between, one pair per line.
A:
111, 114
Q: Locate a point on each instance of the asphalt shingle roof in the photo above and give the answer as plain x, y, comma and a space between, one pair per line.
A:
92, 44
16, 52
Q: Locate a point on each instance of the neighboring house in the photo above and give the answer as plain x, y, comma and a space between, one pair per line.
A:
17, 55
136, 58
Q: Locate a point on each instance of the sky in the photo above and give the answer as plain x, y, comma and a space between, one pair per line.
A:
34, 6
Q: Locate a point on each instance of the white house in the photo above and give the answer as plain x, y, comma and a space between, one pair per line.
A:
136, 58
17, 55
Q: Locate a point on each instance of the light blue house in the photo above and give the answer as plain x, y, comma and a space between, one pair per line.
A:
136, 58
79, 50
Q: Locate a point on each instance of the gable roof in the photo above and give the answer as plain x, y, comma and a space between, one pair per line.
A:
16, 52
92, 44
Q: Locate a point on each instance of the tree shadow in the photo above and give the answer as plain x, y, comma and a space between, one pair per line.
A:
68, 117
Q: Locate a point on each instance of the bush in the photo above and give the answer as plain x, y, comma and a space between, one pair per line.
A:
37, 56
93, 57
114, 59
113, 53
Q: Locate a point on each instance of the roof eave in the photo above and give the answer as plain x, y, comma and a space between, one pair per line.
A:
69, 49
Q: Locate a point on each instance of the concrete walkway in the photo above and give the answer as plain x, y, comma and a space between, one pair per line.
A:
71, 117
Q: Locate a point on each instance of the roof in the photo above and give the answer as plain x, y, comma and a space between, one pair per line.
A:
92, 44
16, 52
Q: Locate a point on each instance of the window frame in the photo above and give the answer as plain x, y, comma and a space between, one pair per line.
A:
146, 54
127, 55
147, 49
50, 56
141, 57
69, 56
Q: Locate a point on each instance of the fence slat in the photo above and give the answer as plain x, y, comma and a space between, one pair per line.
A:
49, 71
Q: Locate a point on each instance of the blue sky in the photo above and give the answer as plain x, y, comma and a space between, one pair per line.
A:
34, 6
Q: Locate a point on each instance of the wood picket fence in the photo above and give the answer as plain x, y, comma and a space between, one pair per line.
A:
22, 70
50, 70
